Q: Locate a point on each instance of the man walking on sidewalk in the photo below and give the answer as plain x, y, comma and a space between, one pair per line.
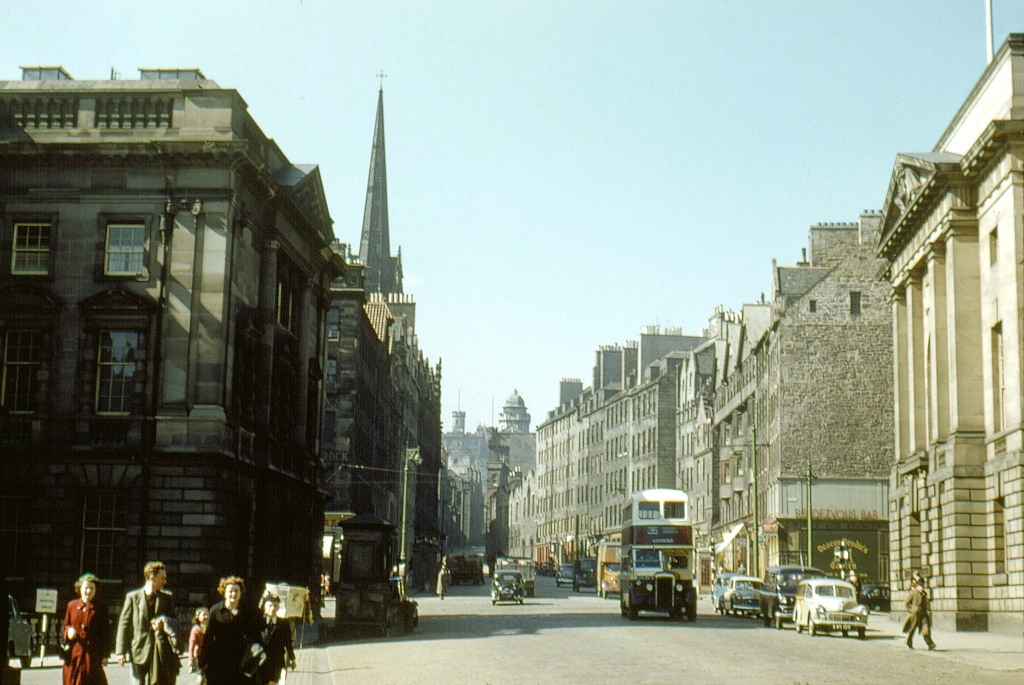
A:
919, 613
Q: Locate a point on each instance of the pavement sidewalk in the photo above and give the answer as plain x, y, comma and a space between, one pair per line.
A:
1001, 652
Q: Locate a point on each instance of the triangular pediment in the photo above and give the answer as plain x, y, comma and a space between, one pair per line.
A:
913, 176
306, 190
118, 300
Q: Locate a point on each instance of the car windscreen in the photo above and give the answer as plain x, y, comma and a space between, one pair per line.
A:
789, 579
747, 585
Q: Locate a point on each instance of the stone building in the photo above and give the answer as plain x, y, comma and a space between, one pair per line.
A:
382, 416
467, 461
696, 452
165, 280
512, 451
803, 397
951, 235
603, 443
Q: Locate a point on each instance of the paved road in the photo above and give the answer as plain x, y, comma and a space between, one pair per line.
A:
565, 637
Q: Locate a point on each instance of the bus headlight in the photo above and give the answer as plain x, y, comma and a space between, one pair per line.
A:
649, 587
679, 587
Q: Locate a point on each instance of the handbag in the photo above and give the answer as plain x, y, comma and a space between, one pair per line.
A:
253, 658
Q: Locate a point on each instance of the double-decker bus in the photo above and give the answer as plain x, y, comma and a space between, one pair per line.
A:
658, 556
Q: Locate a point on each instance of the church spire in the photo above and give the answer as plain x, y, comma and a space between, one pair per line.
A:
375, 243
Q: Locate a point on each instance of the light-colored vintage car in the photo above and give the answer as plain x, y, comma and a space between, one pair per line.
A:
826, 604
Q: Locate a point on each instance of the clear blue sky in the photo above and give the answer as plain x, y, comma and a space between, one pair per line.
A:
561, 174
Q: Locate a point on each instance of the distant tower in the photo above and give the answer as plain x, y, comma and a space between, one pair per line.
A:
514, 418
458, 421
383, 272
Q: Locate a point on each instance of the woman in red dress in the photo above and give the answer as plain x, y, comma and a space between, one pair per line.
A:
86, 631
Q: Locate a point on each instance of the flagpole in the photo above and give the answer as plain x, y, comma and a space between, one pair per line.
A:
988, 28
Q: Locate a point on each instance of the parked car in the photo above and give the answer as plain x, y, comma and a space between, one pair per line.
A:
564, 575
19, 635
585, 574
779, 590
718, 587
826, 604
875, 597
743, 596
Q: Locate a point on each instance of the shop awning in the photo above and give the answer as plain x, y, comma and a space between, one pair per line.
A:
729, 537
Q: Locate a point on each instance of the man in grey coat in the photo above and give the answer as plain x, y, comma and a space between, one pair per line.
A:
140, 625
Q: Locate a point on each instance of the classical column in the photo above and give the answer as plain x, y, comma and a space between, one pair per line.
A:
938, 350
901, 375
914, 361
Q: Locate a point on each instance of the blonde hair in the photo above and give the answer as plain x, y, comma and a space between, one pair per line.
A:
86, 577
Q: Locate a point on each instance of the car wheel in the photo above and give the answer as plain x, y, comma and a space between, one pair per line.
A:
26, 661
846, 632
796, 624
778, 622
766, 617
813, 628
860, 633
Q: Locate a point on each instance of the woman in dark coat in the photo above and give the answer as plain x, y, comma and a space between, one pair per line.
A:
86, 631
232, 628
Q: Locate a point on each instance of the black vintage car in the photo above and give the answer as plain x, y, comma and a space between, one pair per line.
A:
584, 574
875, 597
507, 586
779, 590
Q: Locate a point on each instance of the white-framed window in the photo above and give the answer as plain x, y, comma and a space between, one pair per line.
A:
125, 249
115, 373
15, 537
22, 358
103, 534
30, 255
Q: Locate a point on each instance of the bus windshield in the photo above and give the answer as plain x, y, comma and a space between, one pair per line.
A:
647, 558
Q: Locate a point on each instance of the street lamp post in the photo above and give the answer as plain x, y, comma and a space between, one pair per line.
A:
412, 455
841, 555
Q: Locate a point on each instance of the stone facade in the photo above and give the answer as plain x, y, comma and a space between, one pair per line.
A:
165, 279
804, 394
382, 416
467, 460
952, 228
599, 446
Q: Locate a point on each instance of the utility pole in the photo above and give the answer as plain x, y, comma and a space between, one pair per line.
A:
810, 507
757, 519
412, 455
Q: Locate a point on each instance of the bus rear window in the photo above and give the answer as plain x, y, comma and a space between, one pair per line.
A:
675, 510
